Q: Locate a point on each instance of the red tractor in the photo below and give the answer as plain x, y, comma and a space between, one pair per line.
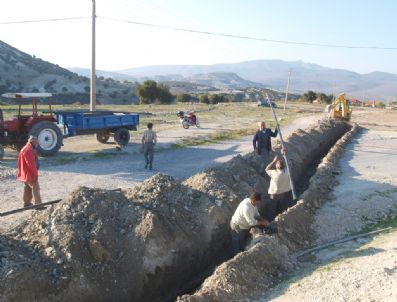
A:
15, 132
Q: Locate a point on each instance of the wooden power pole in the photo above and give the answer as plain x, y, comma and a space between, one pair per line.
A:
93, 76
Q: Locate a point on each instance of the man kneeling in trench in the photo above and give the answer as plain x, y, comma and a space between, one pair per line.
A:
244, 218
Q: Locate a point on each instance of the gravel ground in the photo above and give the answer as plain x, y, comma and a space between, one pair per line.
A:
124, 169
367, 188
364, 269
355, 271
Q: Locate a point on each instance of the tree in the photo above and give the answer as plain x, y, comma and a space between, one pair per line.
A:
149, 92
216, 98
204, 99
379, 104
325, 98
164, 95
183, 98
309, 96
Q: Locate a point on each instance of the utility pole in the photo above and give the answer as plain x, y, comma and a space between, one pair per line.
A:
286, 91
93, 76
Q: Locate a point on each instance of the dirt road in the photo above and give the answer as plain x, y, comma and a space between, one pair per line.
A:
365, 269
126, 168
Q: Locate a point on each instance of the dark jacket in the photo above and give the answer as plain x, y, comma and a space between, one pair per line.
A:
262, 140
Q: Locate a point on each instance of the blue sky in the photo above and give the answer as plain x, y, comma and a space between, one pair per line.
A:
122, 45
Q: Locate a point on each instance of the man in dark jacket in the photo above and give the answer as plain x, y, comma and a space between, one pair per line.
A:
262, 143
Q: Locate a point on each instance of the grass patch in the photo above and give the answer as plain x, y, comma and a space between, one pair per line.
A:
101, 154
388, 222
214, 137
64, 160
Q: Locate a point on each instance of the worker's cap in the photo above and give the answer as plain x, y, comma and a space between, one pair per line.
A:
32, 138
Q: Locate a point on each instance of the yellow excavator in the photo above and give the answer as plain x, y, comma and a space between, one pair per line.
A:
340, 108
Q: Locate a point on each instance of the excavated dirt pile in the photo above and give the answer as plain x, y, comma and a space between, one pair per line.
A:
249, 274
158, 239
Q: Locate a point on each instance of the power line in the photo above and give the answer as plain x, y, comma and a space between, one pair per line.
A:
247, 37
206, 33
44, 20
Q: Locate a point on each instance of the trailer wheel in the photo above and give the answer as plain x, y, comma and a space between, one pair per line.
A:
102, 137
1, 151
49, 137
122, 136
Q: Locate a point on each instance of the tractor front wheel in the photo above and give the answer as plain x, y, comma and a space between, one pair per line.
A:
49, 137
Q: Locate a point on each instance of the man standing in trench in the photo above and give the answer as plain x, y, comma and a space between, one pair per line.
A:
279, 188
244, 218
28, 173
262, 143
149, 140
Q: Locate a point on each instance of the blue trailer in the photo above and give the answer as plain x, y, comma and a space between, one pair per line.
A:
102, 123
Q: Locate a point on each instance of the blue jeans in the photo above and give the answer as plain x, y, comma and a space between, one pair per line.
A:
148, 152
239, 238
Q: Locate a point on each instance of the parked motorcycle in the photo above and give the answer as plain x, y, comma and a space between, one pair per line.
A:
188, 119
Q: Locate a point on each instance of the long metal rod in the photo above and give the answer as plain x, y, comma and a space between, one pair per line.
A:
30, 207
285, 151
93, 72
38, 206
323, 246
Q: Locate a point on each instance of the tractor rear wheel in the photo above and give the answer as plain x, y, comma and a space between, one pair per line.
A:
1, 151
49, 137
102, 137
122, 136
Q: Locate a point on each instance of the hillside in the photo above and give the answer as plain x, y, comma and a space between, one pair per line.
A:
273, 74
212, 80
21, 72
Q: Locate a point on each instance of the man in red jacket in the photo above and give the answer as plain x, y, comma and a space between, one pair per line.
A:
27, 172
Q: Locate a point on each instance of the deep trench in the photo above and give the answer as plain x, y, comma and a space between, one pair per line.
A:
191, 267
301, 185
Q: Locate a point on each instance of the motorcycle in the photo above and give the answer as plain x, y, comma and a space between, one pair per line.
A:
188, 119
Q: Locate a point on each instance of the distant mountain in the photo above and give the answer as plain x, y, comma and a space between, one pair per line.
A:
218, 80
21, 72
103, 73
274, 73
222, 80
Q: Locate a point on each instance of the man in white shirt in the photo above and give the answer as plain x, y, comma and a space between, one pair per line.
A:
149, 140
244, 218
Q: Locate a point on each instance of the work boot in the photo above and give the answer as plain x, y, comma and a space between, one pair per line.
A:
25, 205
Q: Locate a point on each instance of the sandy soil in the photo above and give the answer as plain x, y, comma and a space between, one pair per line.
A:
361, 270
364, 269
125, 168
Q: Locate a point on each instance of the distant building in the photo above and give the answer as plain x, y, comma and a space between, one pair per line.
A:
355, 102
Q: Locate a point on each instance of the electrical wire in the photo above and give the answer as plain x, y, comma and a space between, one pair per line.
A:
246, 37
45, 20
189, 30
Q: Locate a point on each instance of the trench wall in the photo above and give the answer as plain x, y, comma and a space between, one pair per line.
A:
158, 239
249, 274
